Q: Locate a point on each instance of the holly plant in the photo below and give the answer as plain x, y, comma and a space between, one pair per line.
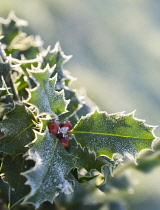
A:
53, 142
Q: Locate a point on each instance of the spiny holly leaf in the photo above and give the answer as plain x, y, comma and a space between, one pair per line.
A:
11, 27
106, 134
55, 56
87, 159
52, 164
52, 57
44, 96
10, 173
17, 130
16, 42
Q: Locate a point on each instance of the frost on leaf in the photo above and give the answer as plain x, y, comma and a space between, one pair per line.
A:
52, 57
44, 96
11, 27
87, 159
52, 164
17, 130
55, 56
106, 134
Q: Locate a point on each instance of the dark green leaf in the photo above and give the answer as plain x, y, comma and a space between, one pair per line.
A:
17, 129
86, 159
10, 170
56, 56
75, 101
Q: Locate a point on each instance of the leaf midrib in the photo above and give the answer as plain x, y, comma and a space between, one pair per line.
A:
48, 165
30, 125
109, 134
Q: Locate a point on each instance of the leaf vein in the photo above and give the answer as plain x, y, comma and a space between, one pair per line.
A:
108, 134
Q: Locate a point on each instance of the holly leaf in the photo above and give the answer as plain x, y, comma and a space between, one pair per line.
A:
21, 87
11, 27
75, 101
52, 164
17, 130
44, 96
106, 134
87, 159
10, 173
56, 56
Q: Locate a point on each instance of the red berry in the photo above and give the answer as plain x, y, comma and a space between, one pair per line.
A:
64, 141
66, 124
53, 127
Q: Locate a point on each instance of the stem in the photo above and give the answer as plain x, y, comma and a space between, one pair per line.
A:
14, 90
14, 60
2, 53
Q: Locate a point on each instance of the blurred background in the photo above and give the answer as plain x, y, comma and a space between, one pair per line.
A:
115, 46
116, 57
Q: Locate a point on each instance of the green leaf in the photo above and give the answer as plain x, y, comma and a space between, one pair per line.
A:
52, 164
44, 96
17, 130
11, 27
10, 172
21, 87
75, 101
56, 56
87, 159
106, 134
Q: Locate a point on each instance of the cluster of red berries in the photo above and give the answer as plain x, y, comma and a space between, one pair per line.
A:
60, 131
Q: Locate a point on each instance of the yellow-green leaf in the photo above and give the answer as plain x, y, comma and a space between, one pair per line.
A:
106, 134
